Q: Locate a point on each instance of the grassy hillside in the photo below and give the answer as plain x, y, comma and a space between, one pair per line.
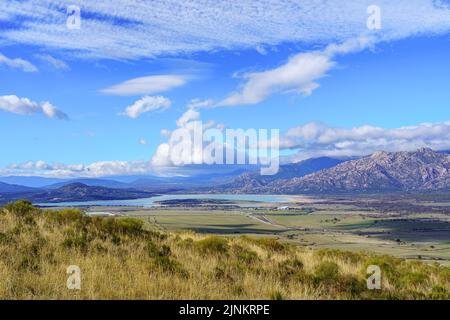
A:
122, 258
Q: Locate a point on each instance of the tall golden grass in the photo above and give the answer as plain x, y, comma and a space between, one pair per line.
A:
122, 258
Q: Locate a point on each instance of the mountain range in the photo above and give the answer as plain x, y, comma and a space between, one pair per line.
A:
75, 192
420, 171
253, 182
423, 170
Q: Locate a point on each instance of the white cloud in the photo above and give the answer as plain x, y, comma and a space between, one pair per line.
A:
143, 142
299, 74
161, 158
96, 169
146, 85
165, 133
200, 104
18, 63
261, 50
25, 106
317, 139
188, 116
146, 104
311, 139
187, 121
54, 62
172, 27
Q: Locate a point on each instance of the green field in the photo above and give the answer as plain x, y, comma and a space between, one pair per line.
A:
316, 223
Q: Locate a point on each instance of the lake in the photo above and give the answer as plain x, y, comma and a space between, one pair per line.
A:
151, 202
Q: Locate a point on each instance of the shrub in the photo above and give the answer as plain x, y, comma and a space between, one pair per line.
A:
186, 243
81, 242
21, 208
29, 254
276, 295
439, 293
129, 226
327, 272
444, 275
351, 285
124, 226
170, 265
413, 278
153, 251
244, 255
333, 254
212, 245
389, 267
270, 244
64, 216
289, 268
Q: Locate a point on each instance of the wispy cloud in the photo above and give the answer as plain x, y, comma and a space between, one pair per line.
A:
140, 29
146, 85
25, 106
54, 62
299, 74
18, 63
147, 104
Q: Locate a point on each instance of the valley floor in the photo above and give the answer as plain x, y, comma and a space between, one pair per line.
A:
411, 228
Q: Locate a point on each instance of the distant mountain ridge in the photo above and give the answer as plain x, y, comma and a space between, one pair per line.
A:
254, 182
77, 192
12, 188
90, 182
421, 170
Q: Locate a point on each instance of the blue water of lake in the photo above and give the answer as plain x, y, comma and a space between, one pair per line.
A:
151, 202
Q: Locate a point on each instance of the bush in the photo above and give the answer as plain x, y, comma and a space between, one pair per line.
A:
333, 254
81, 242
289, 268
212, 245
389, 266
413, 278
153, 251
29, 254
170, 265
327, 272
351, 285
244, 255
123, 226
64, 216
270, 244
444, 276
130, 226
21, 208
276, 295
439, 293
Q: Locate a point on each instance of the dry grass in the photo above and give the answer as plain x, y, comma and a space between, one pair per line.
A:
120, 258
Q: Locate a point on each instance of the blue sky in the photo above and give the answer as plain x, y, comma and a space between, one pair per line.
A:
381, 89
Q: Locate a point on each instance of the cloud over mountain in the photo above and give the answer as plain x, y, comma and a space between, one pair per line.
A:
317, 139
